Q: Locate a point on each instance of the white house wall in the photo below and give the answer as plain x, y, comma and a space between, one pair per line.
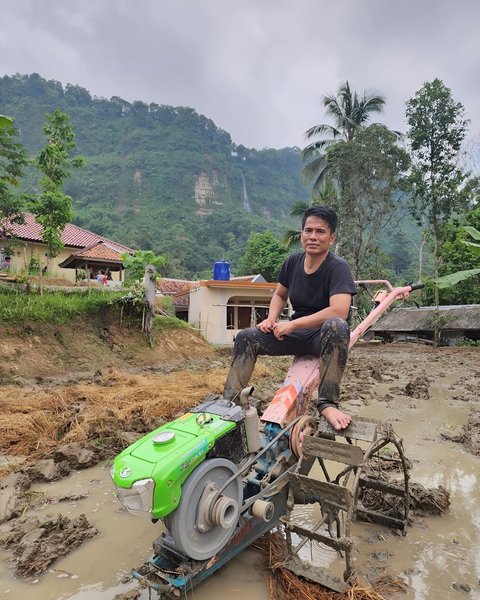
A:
208, 309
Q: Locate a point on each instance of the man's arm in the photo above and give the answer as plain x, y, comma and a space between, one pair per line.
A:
339, 307
277, 303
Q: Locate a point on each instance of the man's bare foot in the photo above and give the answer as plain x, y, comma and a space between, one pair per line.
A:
337, 419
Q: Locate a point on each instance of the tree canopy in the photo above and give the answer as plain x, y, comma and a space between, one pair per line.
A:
439, 187
13, 159
369, 170
264, 255
53, 208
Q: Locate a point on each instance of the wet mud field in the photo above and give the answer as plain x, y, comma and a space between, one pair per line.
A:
63, 535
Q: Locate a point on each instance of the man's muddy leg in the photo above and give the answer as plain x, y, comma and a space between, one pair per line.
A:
334, 342
244, 357
249, 344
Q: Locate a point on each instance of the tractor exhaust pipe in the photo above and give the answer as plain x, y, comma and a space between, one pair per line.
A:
252, 422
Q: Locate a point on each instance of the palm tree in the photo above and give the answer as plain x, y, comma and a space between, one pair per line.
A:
349, 112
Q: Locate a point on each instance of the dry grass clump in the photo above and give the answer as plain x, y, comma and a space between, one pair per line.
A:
285, 585
33, 422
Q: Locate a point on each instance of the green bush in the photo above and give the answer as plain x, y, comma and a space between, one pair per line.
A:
467, 342
33, 266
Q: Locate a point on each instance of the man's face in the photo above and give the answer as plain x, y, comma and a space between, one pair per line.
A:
316, 236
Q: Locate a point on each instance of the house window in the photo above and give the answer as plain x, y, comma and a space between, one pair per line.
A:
246, 312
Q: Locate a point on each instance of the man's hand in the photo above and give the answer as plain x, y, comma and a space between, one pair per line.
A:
282, 328
266, 326
279, 329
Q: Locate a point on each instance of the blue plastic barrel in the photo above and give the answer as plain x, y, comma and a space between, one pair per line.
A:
221, 271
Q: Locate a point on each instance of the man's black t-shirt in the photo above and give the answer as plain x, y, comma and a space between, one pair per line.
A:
310, 293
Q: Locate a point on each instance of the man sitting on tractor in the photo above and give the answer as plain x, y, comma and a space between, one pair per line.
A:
320, 288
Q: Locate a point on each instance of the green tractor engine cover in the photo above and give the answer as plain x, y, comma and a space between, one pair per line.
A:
149, 474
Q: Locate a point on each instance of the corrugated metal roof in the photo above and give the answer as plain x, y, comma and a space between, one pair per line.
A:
461, 317
253, 278
72, 235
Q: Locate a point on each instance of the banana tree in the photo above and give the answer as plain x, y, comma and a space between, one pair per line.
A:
454, 278
5, 121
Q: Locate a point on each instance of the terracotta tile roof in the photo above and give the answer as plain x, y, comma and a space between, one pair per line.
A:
178, 289
72, 236
100, 250
182, 300
174, 286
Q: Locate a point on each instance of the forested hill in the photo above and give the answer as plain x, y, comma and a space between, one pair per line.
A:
160, 177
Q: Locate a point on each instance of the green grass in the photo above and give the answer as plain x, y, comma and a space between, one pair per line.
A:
18, 307
161, 323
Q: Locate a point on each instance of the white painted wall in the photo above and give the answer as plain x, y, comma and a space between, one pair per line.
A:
208, 309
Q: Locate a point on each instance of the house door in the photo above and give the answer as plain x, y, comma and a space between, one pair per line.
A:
244, 317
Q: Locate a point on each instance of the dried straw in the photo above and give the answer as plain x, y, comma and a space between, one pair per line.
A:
32, 422
285, 585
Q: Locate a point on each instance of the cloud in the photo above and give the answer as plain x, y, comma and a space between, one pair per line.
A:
257, 68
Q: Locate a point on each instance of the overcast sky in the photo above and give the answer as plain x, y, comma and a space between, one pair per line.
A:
257, 68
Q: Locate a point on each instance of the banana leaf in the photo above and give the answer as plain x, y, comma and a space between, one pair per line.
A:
473, 232
5, 121
454, 278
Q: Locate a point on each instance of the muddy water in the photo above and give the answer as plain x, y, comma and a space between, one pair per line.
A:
442, 552
95, 571
437, 554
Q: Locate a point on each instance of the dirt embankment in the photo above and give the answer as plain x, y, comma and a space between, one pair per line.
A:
37, 351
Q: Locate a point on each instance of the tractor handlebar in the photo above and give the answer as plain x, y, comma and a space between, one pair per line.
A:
416, 286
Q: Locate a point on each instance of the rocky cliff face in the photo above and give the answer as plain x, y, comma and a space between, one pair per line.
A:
206, 187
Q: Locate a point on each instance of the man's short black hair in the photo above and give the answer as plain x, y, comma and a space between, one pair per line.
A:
322, 212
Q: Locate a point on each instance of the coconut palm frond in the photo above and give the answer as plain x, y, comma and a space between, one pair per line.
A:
322, 129
320, 184
292, 238
373, 103
327, 193
299, 208
316, 149
314, 169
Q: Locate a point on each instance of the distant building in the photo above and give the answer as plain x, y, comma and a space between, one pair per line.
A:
84, 250
178, 290
410, 324
220, 309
